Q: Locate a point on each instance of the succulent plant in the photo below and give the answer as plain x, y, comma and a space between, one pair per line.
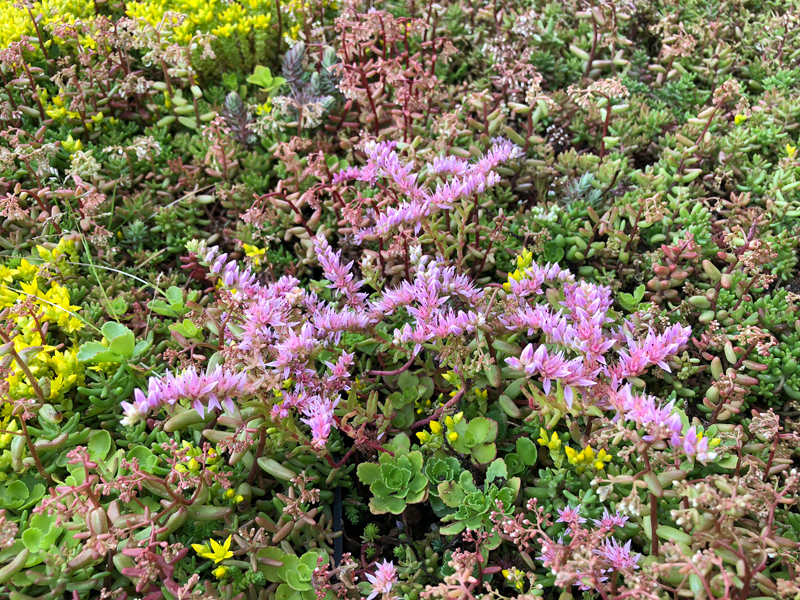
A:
473, 506
395, 481
475, 438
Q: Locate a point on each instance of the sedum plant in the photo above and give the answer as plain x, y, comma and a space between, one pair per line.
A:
474, 507
385, 300
396, 481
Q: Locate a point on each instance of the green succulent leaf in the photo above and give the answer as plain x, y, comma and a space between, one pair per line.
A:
392, 505
368, 473
527, 451
286, 592
496, 469
121, 340
484, 453
262, 77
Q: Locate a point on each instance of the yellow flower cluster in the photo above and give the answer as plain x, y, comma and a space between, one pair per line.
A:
190, 464
217, 17
553, 442
421, 405
57, 110
65, 11
524, 261
16, 22
50, 305
584, 459
587, 458
437, 429
9, 426
231, 494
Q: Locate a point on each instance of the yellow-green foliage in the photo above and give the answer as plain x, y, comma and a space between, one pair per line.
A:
64, 11
16, 22
216, 17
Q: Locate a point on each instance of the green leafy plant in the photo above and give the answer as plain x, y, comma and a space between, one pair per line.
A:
395, 481
473, 505
476, 438
263, 78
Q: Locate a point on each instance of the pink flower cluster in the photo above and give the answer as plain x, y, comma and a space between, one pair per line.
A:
467, 180
571, 373
281, 328
206, 391
278, 330
340, 276
425, 300
661, 424
580, 332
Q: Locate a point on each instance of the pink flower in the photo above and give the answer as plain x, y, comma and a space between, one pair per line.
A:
646, 413
653, 350
341, 276
619, 557
552, 366
550, 551
570, 516
206, 391
319, 413
695, 445
382, 581
467, 180
448, 165
609, 521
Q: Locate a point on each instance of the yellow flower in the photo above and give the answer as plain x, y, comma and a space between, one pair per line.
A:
88, 42
514, 576
423, 436
543, 441
791, 150
739, 119
56, 113
230, 493
436, 427
452, 436
586, 458
448, 420
217, 552
220, 572
71, 145
525, 259
451, 377
254, 253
